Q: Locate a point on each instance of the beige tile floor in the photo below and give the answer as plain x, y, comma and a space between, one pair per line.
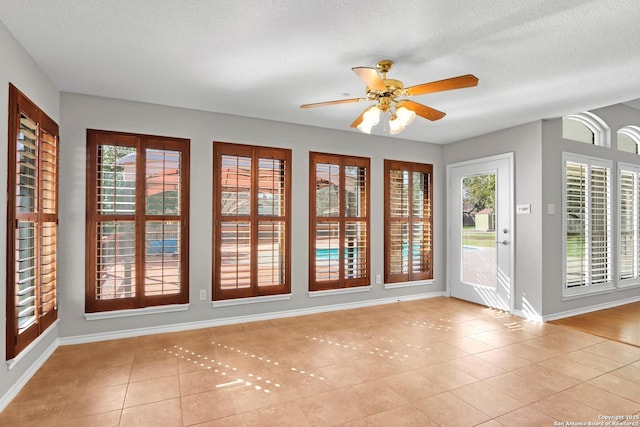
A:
433, 362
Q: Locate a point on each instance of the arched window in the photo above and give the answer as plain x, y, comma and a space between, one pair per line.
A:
629, 139
586, 127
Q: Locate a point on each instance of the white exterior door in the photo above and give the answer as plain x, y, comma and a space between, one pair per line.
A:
480, 217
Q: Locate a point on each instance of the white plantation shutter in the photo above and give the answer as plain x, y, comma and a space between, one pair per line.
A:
600, 225
628, 193
587, 224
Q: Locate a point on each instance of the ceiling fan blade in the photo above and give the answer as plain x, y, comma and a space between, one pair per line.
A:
468, 80
359, 119
422, 110
371, 77
340, 101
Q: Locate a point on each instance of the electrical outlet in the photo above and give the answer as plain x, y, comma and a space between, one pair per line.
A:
203, 294
378, 279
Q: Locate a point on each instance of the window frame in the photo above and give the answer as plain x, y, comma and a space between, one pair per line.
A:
15, 341
599, 129
409, 219
633, 133
140, 142
254, 218
342, 161
634, 171
588, 286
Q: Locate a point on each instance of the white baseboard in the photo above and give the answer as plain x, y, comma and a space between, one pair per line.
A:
26, 376
528, 316
589, 309
129, 333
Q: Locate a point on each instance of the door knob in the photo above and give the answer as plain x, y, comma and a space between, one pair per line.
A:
504, 242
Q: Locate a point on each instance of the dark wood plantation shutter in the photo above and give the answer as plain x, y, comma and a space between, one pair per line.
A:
32, 222
137, 221
251, 221
408, 221
339, 222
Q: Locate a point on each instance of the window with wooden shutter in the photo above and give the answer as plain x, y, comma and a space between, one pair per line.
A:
339, 222
137, 221
408, 221
32, 222
251, 221
587, 224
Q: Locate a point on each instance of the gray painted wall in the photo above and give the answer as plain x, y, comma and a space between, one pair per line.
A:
75, 113
525, 142
537, 149
553, 145
80, 112
20, 69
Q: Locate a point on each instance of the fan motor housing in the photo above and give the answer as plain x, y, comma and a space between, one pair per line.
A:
394, 88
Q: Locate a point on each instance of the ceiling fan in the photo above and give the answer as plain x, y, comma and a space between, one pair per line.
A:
385, 93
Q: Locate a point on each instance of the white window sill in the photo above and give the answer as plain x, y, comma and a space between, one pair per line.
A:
355, 289
408, 284
629, 284
114, 314
251, 300
16, 360
589, 291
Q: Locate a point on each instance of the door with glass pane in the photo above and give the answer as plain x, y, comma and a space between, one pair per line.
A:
480, 231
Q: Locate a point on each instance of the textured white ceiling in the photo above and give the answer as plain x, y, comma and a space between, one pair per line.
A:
263, 58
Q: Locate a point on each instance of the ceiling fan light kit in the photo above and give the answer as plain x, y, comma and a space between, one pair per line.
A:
405, 115
384, 92
396, 125
370, 118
